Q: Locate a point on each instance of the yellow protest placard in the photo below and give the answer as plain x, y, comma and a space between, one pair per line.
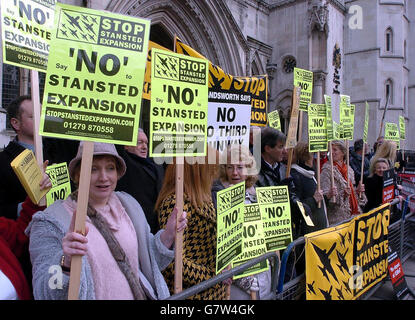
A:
366, 125
304, 80
253, 241
402, 130
333, 128
61, 183
178, 113
345, 261
392, 133
274, 120
274, 205
26, 32
317, 130
345, 118
95, 76
230, 219
352, 113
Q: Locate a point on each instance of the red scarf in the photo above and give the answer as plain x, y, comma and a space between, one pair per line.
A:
354, 206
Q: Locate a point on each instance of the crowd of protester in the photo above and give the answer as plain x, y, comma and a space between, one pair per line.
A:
127, 248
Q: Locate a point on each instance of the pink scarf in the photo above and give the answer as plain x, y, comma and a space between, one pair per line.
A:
109, 282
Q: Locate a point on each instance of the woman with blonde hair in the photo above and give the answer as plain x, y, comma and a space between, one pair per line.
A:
347, 200
199, 239
374, 184
387, 150
240, 166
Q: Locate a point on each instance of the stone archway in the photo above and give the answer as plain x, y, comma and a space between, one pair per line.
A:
207, 26
283, 105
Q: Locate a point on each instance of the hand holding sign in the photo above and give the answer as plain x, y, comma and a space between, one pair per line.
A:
45, 183
74, 243
174, 224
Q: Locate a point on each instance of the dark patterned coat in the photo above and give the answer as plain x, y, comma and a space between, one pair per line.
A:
199, 247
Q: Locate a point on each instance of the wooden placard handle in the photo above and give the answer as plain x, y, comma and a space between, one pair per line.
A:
289, 162
34, 75
363, 168
318, 176
178, 243
333, 199
81, 208
228, 287
347, 160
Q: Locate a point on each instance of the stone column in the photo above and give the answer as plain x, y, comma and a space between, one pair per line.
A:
271, 71
319, 79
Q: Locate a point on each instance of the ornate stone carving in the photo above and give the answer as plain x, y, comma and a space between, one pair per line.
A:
319, 77
318, 15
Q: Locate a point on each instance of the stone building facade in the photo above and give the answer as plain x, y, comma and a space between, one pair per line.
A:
361, 48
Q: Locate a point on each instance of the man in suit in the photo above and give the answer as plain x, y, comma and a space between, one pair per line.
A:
20, 115
143, 178
273, 173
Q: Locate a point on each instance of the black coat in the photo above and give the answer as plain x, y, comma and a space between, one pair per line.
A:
356, 164
11, 190
142, 180
268, 177
374, 192
306, 187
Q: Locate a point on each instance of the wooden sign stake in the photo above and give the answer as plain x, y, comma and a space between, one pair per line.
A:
333, 199
300, 130
178, 243
81, 208
292, 130
318, 176
228, 288
363, 168
36, 116
347, 160
34, 75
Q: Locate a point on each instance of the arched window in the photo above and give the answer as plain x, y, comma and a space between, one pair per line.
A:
389, 90
389, 40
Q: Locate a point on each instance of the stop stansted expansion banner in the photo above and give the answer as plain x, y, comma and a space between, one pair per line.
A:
345, 261
95, 76
225, 85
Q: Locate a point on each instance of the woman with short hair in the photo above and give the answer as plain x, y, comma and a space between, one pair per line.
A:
347, 202
121, 259
374, 184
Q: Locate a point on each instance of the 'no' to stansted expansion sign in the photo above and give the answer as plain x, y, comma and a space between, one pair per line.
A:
95, 76
179, 105
26, 32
